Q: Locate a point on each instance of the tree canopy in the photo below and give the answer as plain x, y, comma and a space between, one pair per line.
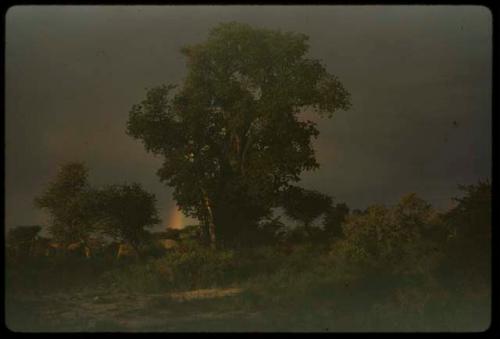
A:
334, 217
68, 200
305, 205
80, 211
20, 239
469, 241
125, 211
23, 233
231, 136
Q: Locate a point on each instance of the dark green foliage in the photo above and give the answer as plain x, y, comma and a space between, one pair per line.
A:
334, 217
68, 199
387, 273
198, 267
124, 211
269, 231
190, 232
304, 205
230, 136
171, 233
21, 239
390, 240
469, 240
23, 234
82, 214
400, 268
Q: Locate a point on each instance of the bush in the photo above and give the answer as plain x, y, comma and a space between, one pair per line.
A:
393, 240
193, 266
468, 254
183, 269
198, 267
137, 277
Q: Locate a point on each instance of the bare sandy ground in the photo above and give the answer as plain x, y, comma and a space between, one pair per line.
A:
206, 294
197, 310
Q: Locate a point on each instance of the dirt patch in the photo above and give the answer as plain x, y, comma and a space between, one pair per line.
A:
102, 312
206, 294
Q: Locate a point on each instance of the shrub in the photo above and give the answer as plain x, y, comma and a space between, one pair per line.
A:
183, 269
137, 277
389, 240
468, 251
197, 267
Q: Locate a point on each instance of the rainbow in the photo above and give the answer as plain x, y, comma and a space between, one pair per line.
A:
175, 218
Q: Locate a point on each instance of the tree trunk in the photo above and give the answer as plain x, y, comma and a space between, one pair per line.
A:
244, 153
248, 140
307, 227
210, 219
32, 247
85, 247
205, 230
136, 247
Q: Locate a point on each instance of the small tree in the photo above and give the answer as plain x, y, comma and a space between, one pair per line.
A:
124, 213
468, 249
68, 199
334, 218
304, 205
21, 239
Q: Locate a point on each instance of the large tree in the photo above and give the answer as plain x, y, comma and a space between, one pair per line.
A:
68, 200
231, 136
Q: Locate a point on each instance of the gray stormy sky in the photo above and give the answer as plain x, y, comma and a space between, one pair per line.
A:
73, 72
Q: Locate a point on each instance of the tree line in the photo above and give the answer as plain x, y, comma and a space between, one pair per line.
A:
233, 143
